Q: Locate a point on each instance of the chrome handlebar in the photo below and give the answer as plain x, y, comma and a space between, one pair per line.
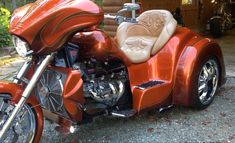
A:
108, 16
120, 19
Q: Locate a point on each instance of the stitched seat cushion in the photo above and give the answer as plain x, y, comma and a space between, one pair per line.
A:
138, 48
141, 40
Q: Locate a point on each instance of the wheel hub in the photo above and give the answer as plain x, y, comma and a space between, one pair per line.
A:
208, 81
23, 127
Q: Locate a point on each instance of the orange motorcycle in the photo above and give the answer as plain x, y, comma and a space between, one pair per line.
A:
74, 71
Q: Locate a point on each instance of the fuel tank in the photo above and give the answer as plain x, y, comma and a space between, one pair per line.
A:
99, 45
47, 24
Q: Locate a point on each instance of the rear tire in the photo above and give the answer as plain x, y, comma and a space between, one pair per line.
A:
215, 28
204, 83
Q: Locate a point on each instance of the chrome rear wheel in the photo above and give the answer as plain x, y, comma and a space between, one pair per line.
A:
23, 129
208, 81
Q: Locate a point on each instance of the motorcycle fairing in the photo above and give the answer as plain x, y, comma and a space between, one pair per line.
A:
73, 92
73, 95
16, 91
46, 24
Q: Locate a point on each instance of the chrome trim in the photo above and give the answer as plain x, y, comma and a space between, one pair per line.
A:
208, 81
26, 94
216, 17
22, 72
24, 125
118, 115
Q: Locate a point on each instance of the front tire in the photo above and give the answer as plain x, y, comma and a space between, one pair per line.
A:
205, 83
215, 28
24, 128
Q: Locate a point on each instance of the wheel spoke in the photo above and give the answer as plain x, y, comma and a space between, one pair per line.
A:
48, 78
53, 92
202, 88
202, 79
54, 86
2, 105
54, 100
51, 103
208, 81
43, 77
211, 74
206, 72
42, 82
203, 96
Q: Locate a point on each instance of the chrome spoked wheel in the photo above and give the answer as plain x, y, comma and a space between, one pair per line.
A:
208, 81
23, 128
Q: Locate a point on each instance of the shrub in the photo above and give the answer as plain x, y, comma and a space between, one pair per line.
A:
99, 2
5, 38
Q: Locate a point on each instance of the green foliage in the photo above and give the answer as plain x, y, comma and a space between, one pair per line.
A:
99, 3
8, 4
5, 38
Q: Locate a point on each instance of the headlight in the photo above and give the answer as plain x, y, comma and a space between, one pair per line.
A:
21, 46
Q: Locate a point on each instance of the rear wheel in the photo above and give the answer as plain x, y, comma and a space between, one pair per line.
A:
205, 83
23, 129
215, 28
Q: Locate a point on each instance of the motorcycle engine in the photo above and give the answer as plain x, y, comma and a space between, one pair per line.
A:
105, 82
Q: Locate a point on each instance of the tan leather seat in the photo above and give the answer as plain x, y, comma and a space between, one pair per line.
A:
141, 40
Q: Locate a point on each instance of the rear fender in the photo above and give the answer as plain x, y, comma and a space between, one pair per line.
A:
189, 60
216, 17
16, 93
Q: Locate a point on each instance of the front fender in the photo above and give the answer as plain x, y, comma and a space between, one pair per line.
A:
216, 17
190, 60
16, 92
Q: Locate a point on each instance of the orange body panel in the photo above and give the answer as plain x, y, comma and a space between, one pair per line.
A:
190, 57
73, 95
99, 45
16, 91
162, 67
166, 66
46, 25
73, 92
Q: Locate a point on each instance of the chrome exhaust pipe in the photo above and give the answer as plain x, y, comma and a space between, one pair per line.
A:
26, 94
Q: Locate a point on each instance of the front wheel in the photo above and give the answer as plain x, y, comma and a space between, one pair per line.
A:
23, 129
215, 28
205, 83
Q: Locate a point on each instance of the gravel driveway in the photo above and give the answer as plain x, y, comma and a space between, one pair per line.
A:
179, 125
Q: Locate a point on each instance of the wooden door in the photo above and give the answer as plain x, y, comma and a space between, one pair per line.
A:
160, 4
190, 12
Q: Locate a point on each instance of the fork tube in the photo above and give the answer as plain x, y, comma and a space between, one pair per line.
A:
25, 94
22, 72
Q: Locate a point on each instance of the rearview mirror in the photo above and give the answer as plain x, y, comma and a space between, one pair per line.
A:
131, 6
